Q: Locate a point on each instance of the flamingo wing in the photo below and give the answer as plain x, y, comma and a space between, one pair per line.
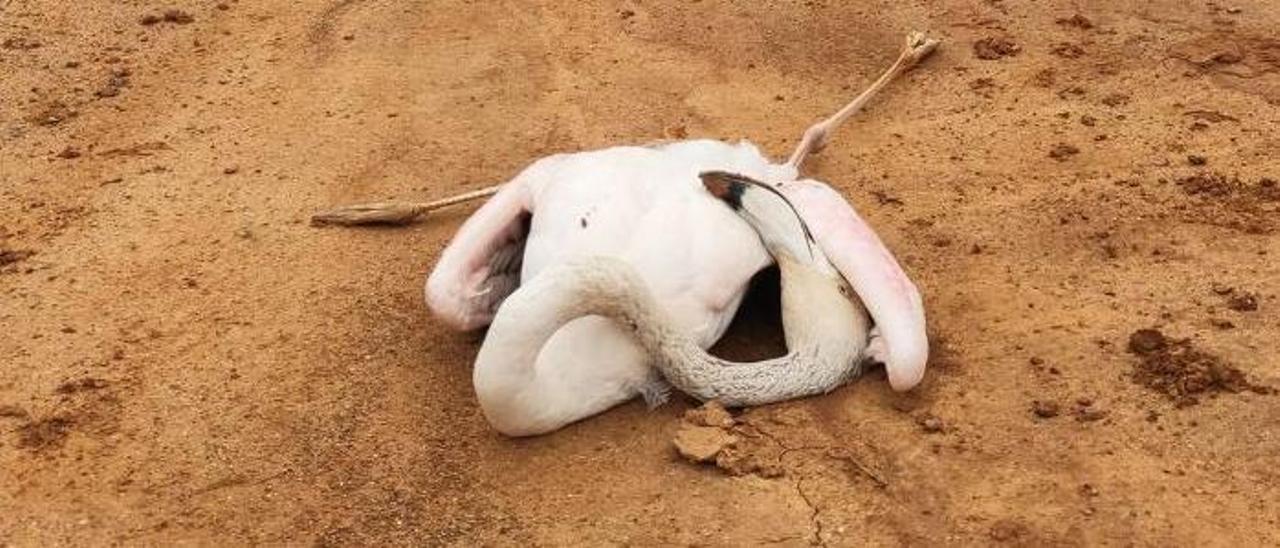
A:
481, 265
875, 275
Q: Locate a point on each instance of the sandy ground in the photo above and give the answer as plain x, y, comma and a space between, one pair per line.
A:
184, 358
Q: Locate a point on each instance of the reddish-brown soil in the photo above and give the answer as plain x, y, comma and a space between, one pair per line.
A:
183, 358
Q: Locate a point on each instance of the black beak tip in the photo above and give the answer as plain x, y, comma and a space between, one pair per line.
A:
724, 186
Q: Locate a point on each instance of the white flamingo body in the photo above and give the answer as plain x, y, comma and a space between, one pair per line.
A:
619, 263
646, 207
643, 205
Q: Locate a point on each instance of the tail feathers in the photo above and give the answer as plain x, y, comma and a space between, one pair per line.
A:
656, 391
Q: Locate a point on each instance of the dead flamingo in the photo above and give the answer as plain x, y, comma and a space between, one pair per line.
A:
608, 264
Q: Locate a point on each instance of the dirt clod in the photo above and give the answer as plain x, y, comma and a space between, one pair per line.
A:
1182, 372
44, 433
702, 443
1146, 341
1063, 151
12, 256
174, 16
709, 414
81, 385
1075, 21
9, 411
1045, 409
992, 48
1243, 301
1067, 50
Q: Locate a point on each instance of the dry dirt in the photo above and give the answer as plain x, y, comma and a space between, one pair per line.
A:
183, 358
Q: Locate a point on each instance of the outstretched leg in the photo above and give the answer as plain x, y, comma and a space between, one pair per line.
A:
816, 137
394, 213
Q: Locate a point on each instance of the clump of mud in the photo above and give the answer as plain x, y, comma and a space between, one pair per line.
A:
1177, 369
992, 48
711, 435
1230, 202
12, 256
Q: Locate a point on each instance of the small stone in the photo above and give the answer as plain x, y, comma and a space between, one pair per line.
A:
231, 170
69, 153
702, 443
1045, 409
1197, 160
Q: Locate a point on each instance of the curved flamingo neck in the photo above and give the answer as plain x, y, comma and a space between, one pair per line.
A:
826, 334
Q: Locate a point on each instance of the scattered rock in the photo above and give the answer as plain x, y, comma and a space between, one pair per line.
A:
1220, 323
1076, 21
1090, 414
174, 16
231, 170
1045, 78
81, 385
11, 256
1088, 120
1178, 370
1209, 184
1045, 409
1063, 151
1007, 530
1067, 50
20, 43
1196, 160
118, 81
983, 86
54, 114
992, 48
1146, 341
1116, 100
1243, 301
9, 411
69, 153
44, 433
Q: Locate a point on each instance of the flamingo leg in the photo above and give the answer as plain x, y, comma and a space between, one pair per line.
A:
816, 137
394, 213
